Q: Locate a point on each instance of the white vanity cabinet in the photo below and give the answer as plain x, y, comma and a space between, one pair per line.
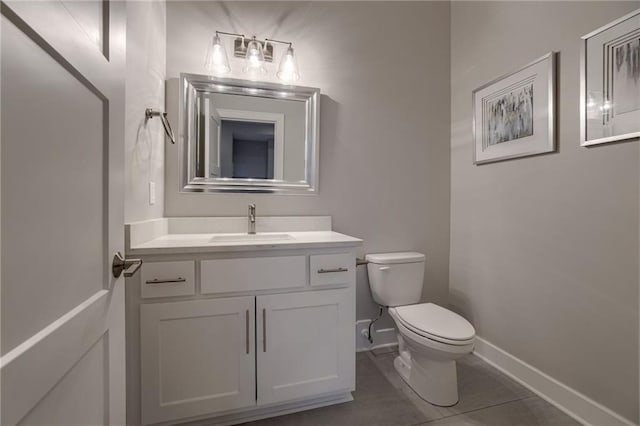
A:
198, 357
243, 335
305, 344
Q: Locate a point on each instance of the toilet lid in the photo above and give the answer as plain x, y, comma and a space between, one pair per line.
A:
396, 257
436, 321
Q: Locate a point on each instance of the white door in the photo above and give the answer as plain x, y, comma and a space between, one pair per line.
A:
62, 101
198, 357
305, 344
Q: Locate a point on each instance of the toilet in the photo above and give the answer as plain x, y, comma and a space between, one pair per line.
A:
430, 337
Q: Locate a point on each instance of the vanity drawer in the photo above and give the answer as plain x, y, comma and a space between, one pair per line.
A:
166, 279
332, 269
257, 273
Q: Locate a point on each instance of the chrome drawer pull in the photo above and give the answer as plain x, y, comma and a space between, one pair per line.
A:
175, 280
328, 271
247, 330
264, 330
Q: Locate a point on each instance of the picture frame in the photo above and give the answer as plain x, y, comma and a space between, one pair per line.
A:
514, 114
610, 82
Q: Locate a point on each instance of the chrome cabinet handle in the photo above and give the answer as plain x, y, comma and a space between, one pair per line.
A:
264, 330
328, 271
170, 280
247, 330
128, 266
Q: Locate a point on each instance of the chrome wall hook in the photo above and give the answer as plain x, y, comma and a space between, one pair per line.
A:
150, 113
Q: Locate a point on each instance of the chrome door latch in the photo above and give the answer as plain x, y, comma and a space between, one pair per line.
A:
128, 266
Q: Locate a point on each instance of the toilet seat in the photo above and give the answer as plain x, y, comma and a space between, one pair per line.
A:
436, 323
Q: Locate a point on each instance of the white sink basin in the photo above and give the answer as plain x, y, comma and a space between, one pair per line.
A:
250, 238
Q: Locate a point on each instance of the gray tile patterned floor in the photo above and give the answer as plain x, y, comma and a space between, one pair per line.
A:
382, 398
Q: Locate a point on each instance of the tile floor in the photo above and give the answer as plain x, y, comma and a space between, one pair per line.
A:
487, 397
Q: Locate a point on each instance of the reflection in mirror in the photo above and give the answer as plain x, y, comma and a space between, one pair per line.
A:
245, 150
245, 136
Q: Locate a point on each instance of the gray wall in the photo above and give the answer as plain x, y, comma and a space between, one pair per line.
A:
144, 141
544, 250
384, 138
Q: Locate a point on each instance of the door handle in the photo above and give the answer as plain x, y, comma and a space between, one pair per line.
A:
128, 266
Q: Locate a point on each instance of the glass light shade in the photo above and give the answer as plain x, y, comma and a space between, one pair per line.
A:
217, 61
254, 59
288, 69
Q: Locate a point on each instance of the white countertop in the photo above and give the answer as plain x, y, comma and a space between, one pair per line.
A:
190, 243
155, 237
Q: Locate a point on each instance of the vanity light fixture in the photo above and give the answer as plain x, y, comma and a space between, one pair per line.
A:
255, 54
217, 61
288, 69
254, 59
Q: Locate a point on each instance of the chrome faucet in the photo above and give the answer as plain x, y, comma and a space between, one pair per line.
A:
252, 218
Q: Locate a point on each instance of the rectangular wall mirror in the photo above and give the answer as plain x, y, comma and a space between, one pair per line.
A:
246, 136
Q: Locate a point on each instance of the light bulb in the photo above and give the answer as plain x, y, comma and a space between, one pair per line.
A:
254, 59
217, 61
288, 70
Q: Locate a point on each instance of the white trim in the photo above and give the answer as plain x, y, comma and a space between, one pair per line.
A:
382, 338
211, 168
573, 403
242, 415
374, 347
207, 138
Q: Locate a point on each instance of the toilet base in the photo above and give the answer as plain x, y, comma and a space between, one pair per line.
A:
434, 381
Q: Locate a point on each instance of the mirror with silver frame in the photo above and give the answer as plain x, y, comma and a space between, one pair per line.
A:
247, 136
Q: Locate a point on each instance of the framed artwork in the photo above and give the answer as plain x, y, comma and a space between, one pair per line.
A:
513, 115
610, 82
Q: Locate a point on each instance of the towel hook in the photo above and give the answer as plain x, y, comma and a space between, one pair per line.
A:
150, 113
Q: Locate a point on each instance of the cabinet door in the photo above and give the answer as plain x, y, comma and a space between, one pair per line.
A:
305, 344
197, 357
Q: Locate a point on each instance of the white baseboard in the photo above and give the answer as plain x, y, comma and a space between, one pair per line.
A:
572, 402
244, 415
382, 338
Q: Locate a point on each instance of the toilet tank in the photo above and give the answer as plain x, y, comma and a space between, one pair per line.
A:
395, 279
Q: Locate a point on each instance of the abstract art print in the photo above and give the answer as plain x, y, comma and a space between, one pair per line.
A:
510, 116
513, 115
625, 84
610, 82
